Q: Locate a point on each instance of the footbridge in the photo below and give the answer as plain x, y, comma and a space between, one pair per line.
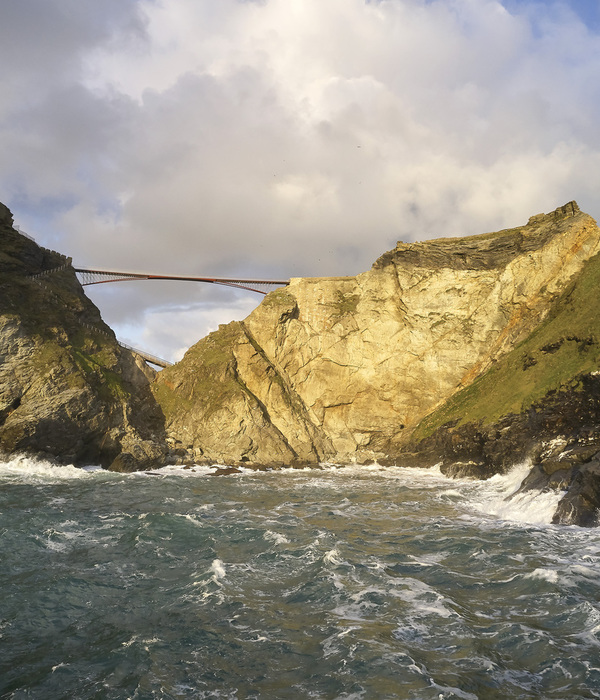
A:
88, 276
146, 356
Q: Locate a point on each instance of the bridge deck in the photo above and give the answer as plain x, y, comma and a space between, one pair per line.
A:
97, 276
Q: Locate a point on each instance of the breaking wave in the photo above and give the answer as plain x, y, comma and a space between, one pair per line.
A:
361, 582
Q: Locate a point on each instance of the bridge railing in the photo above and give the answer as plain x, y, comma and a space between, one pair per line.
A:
89, 276
153, 359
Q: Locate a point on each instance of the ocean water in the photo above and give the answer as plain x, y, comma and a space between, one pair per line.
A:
362, 582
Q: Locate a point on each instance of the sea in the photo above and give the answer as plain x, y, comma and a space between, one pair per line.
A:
332, 583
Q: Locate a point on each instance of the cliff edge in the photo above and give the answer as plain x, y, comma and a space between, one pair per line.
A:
67, 389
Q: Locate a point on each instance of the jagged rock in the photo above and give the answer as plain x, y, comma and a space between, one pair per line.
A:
67, 389
225, 471
580, 505
539, 402
343, 369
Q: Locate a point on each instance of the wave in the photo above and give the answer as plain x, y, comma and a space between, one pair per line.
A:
497, 497
23, 468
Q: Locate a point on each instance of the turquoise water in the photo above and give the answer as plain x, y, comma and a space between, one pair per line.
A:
341, 583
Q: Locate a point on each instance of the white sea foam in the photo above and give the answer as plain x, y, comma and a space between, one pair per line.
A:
275, 537
58, 666
498, 497
495, 497
218, 569
193, 470
191, 518
544, 574
331, 645
426, 560
24, 468
332, 557
424, 600
452, 692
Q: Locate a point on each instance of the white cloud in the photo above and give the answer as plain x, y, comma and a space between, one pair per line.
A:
170, 332
287, 137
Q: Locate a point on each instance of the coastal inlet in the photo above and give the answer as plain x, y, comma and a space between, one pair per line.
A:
346, 583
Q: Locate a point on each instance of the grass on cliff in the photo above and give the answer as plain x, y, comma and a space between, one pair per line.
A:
50, 311
204, 379
566, 344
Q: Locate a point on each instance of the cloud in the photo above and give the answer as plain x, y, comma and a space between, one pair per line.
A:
175, 327
286, 137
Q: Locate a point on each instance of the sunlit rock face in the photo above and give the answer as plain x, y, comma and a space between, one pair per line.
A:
342, 369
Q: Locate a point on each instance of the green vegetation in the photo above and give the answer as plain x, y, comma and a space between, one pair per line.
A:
50, 309
564, 346
345, 303
279, 297
206, 380
109, 384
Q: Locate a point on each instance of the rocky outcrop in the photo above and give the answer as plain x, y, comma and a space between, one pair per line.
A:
345, 369
558, 435
540, 402
67, 389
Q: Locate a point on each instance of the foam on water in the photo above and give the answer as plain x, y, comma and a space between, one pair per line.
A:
550, 575
22, 468
498, 497
275, 537
218, 569
337, 583
333, 557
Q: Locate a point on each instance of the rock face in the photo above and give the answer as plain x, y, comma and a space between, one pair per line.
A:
67, 389
539, 403
345, 369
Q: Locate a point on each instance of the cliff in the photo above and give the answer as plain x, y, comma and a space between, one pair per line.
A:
472, 353
67, 389
345, 369
540, 402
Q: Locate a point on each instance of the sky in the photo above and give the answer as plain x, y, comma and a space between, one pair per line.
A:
284, 138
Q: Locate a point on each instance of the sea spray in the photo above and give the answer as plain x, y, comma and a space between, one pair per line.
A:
499, 497
379, 582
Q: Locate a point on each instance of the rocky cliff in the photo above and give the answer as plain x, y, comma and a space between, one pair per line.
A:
67, 389
472, 353
345, 369
540, 402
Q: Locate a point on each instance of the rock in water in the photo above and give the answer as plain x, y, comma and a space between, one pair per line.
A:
67, 389
344, 369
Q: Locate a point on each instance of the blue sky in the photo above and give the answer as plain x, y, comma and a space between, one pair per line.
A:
285, 137
588, 11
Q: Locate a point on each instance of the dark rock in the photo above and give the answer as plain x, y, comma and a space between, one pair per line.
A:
560, 435
225, 471
124, 463
469, 470
581, 504
6, 217
536, 480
